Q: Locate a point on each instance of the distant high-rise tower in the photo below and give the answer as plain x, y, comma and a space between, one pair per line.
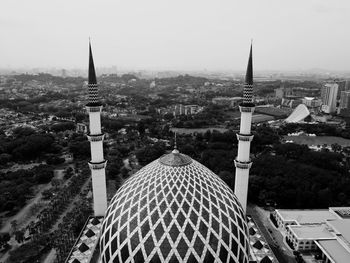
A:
95, 136
242, 162
329, 97
347, 85
345, 100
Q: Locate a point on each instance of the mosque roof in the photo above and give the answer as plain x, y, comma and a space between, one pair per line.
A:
174, 210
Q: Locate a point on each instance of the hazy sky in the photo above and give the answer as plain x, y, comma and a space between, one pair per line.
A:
176, 34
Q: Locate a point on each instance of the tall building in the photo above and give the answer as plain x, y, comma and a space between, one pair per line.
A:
279, 92
329, 97
347, 85
95, 136
344, 100
242, 162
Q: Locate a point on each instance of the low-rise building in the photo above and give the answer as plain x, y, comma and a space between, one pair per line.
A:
227, 101
325, 233
286, 217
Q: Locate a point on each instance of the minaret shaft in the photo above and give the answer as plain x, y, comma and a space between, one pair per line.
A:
244, 137
98, 163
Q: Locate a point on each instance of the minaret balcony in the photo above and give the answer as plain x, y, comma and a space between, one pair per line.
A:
95, 137
93, 108
247, 108
244, 137
98, 166
243, 165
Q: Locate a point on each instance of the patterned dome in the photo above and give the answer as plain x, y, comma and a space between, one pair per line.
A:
174, 210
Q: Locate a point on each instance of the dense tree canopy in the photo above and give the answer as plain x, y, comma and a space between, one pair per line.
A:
27, 145
150, 153
295, 177
16, 187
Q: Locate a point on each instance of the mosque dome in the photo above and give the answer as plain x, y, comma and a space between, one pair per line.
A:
174, 210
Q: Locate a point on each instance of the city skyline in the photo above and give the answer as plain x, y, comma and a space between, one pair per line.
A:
158, 35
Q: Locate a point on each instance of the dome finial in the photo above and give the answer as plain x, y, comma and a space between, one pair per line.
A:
175, 145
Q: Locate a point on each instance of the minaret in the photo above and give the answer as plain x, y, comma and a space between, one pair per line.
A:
244, 137
95, 137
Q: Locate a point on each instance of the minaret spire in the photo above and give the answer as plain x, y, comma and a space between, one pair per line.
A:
92, 82
92, 73
175, 141
248, 87
244, 137
98, 163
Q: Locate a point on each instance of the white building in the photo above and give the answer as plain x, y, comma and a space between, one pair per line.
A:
311, 102
325, 233
329, 97
344, 100
299, 114
227, 101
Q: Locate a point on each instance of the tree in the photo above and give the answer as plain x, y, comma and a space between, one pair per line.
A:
54, 160
14, 226
63, 126
23, 131
80, 149
336, 147
47, 194
56, 183
19, 235
4, 238
125, 172
43, 174
150, 153
228, 178
68, 173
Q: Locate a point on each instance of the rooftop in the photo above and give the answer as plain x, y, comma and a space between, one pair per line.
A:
83, 249
175, 158
341, 227
334, 250
311, 232
343, 212
260, 250
304, 217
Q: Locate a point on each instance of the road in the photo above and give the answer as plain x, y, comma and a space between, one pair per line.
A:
52, 254
273, 237
22, 216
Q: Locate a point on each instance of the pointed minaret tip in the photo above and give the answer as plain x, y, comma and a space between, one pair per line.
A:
248, 85
92, 81
92, 73
249, 74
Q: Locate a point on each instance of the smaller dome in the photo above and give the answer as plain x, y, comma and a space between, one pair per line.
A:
175, 158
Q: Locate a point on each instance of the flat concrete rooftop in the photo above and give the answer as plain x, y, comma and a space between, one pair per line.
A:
307, 216
311, 232
341, 227
334, 250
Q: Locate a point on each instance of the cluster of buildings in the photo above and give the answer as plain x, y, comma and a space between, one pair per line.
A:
227, 101
323, 233
10, 120
12, 87
181, 109
330, 98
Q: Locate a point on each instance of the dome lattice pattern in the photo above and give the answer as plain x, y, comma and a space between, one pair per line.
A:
174, 213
